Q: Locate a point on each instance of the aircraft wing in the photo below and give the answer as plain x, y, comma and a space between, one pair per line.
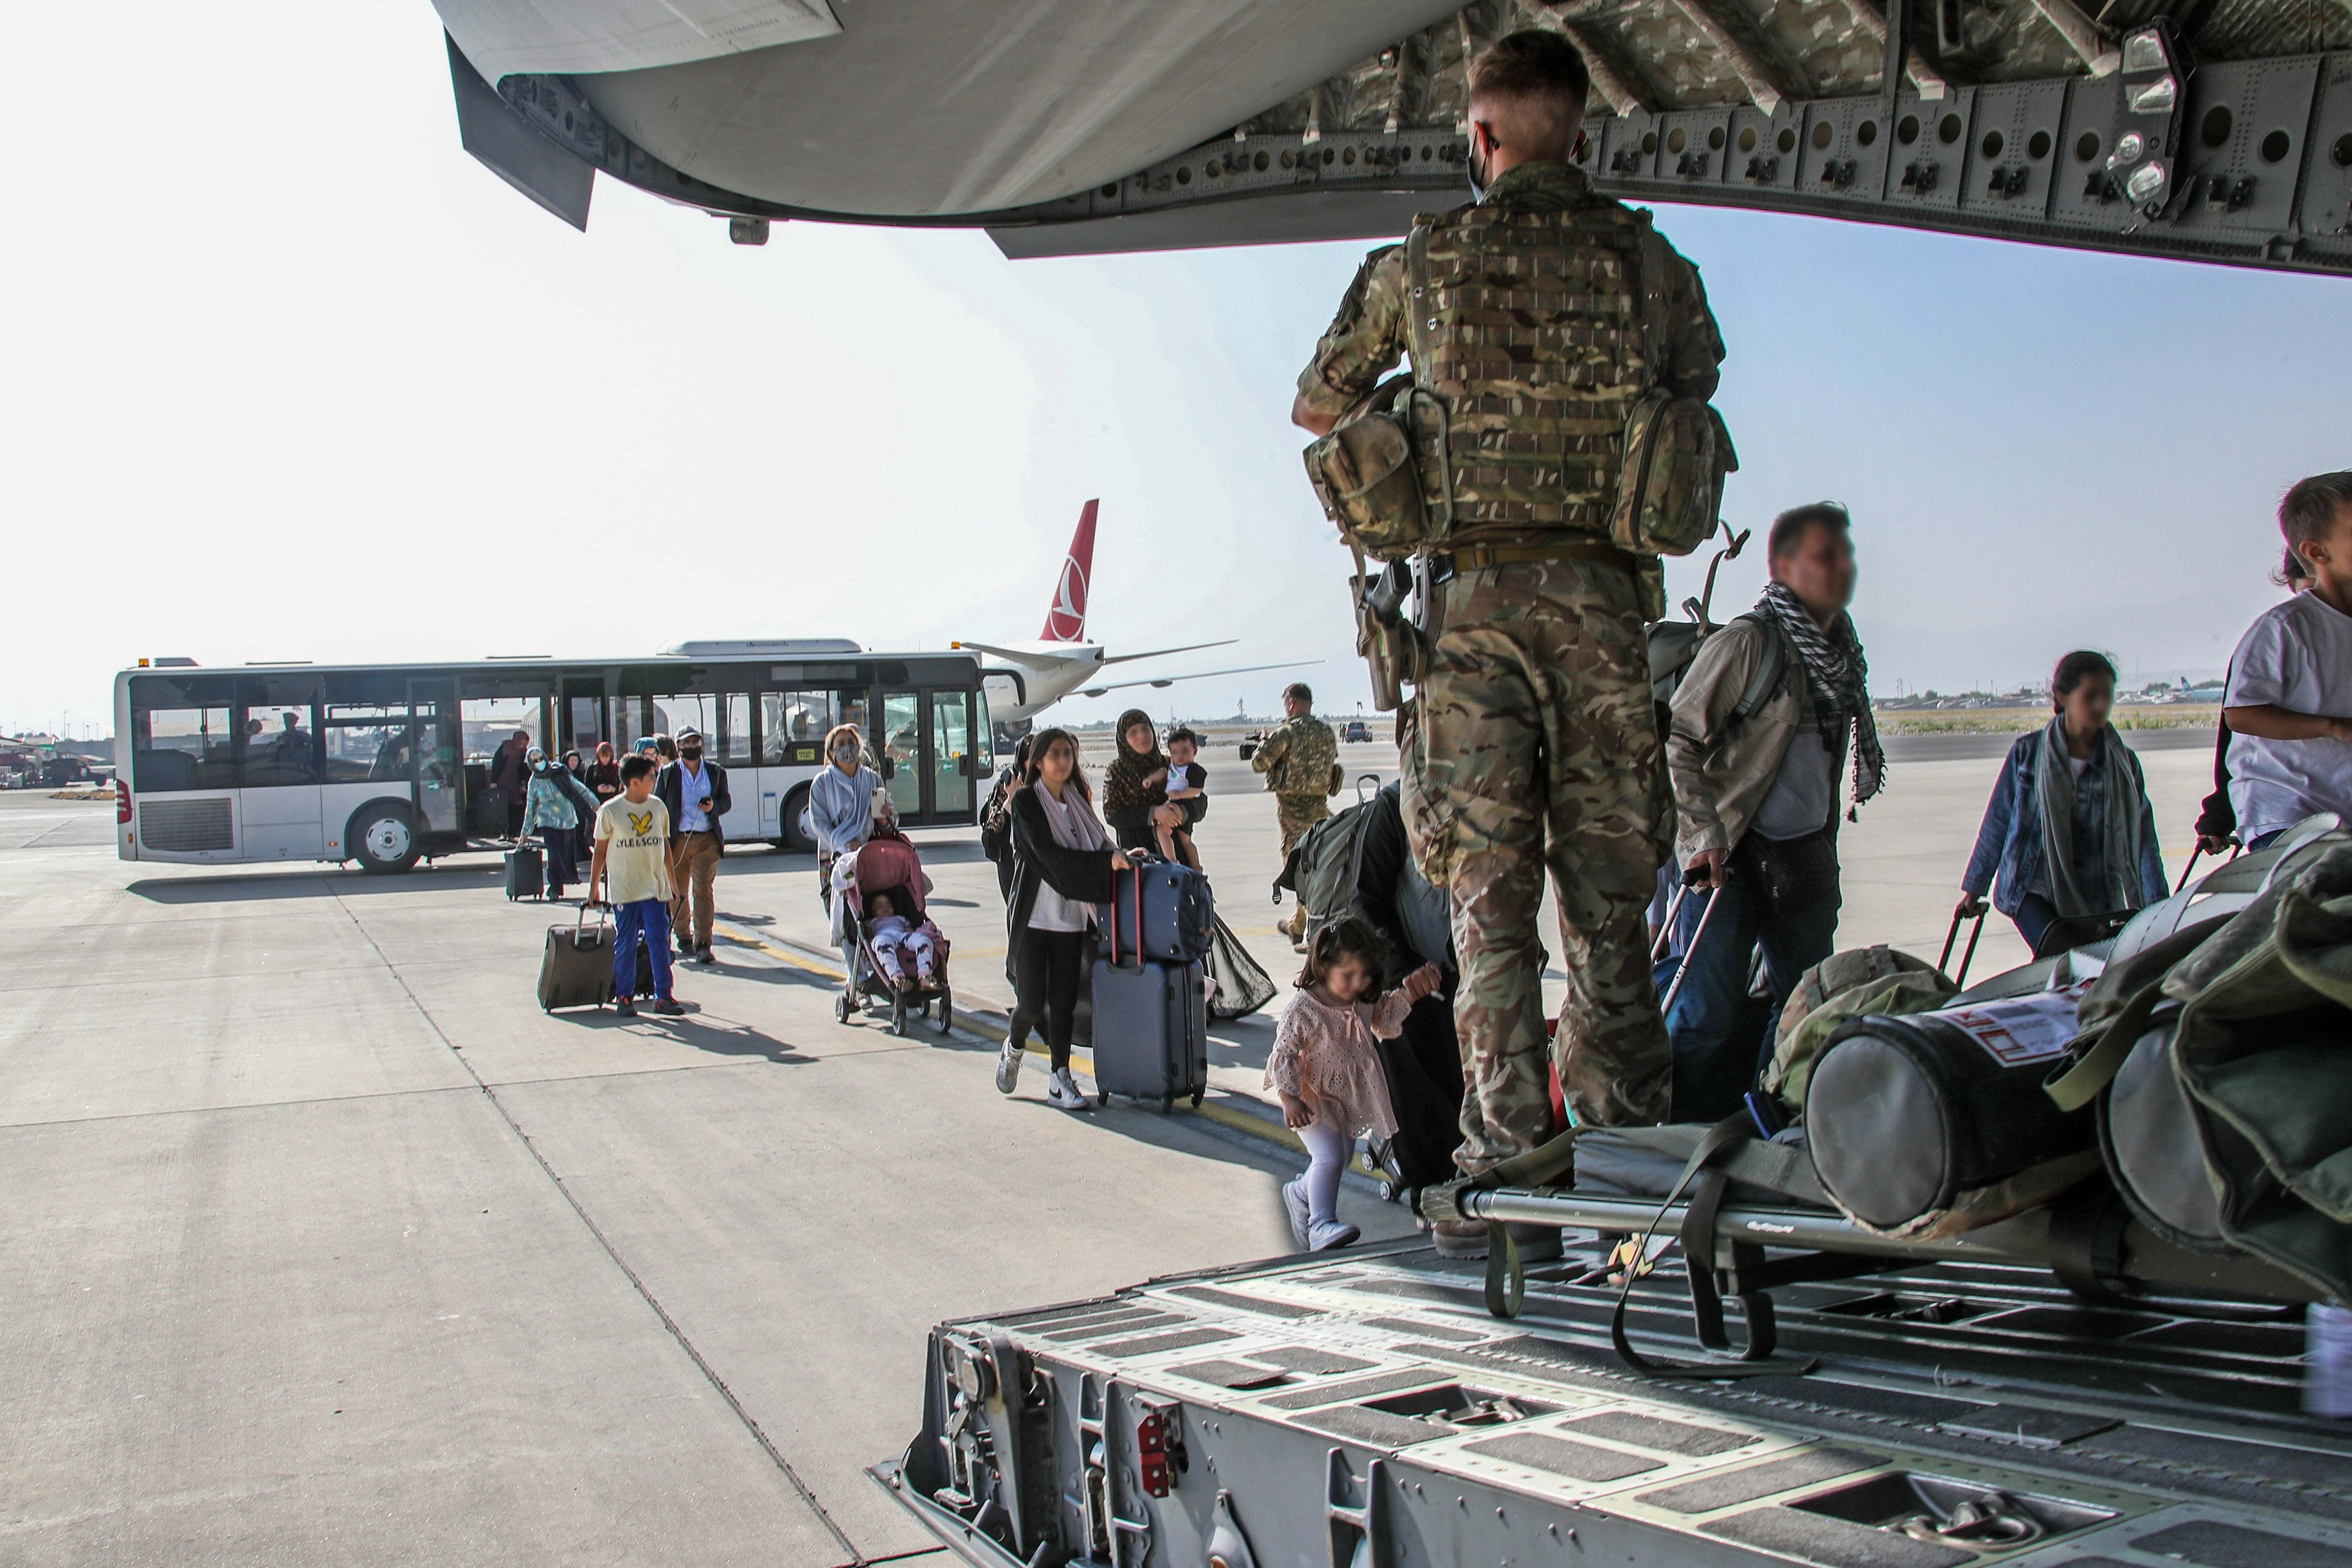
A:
1195, 676
1187, 648
1031, 658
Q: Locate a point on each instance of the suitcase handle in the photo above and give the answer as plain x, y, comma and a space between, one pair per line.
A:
603, 919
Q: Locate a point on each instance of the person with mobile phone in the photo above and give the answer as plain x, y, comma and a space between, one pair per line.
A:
695, 790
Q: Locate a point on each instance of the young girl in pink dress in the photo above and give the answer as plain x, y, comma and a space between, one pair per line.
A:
1328, 1074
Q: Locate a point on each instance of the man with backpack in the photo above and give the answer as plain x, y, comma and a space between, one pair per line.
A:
1540, 319
1756, 749
1298, 758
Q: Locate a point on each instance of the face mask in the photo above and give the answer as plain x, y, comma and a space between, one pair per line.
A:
539, 767
691, 753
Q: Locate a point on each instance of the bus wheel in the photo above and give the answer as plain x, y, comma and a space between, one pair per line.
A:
791, 834
382, 838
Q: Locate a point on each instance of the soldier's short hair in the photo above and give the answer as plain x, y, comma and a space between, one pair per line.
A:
1789, 527
1297, 692
1539, 73
2307, 511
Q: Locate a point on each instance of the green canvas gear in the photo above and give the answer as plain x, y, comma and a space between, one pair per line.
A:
2261, 1048
1845, 986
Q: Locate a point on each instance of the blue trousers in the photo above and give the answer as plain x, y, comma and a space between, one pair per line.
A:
648, 918
2032, 918
1720, 1042
562, 857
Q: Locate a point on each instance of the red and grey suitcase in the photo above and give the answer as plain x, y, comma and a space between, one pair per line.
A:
1150, 1022
526, 871
576, 969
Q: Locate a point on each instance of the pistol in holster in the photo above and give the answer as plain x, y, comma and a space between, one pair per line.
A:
1394, 644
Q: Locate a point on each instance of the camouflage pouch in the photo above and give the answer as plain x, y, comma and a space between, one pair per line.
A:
1365, 475
1364, 471
1677, 450
1428, 823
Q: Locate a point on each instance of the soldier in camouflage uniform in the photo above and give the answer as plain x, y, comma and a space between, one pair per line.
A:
1297, 757
1541, 740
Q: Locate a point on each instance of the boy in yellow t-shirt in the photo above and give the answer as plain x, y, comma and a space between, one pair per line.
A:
633, 851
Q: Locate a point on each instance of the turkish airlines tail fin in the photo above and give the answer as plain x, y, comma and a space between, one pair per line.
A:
1066, 622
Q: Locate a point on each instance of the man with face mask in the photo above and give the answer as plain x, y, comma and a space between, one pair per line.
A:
696, 793
1539, 743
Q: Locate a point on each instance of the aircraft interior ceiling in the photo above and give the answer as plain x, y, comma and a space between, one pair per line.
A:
2210, 130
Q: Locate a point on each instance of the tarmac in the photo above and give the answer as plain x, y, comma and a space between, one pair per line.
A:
320, 1243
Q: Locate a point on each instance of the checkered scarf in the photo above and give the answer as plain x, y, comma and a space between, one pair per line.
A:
1839, 679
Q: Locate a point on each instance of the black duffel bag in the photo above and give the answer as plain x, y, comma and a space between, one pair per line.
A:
1933, 1124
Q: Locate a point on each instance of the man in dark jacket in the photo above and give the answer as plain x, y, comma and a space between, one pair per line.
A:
696, 793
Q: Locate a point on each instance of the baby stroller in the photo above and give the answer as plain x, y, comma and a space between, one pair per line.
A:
887, 863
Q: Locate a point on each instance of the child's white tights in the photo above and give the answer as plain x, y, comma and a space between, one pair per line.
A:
1328, 1147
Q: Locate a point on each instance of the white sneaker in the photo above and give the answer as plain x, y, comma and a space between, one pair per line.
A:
1008, 1067
1063, 1092
1294, 1198
1329, 1234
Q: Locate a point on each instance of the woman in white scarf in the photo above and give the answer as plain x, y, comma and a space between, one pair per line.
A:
1063, 862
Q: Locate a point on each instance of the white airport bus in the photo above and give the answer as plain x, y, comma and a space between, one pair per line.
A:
383, 764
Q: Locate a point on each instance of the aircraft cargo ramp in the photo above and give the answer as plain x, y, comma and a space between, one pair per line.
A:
1366, 1411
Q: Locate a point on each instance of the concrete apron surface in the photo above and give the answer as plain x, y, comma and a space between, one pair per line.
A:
320, 1243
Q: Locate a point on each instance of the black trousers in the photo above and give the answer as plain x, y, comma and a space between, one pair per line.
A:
1048, 968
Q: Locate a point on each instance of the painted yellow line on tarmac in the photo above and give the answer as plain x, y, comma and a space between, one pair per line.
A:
797, 960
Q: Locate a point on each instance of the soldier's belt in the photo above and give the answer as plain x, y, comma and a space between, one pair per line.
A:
1470, 557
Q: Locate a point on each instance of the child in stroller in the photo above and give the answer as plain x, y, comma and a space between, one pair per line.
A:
888, 948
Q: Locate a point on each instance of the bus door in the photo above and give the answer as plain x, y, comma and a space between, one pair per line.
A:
953, 757
899, 741
436, 759
583, 719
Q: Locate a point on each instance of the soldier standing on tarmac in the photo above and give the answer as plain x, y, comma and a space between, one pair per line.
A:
1297, 758
1541, 740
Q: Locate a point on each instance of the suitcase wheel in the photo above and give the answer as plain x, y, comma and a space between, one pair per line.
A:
1198, 1095
1168, 1105
1389, 1192
1102, 1099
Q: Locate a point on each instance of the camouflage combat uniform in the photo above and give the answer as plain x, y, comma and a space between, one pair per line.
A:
1541, 740
1296, 758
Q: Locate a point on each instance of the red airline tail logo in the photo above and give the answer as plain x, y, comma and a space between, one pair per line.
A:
1066, 621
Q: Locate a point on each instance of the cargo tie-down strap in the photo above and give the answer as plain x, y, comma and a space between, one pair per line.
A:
1728, 1149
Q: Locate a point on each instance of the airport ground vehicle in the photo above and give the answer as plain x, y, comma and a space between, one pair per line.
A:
1356, 730
384, 764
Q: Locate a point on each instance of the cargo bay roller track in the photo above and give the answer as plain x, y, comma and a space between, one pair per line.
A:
2216, 130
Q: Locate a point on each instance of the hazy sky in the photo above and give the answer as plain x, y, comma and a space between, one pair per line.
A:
288, 375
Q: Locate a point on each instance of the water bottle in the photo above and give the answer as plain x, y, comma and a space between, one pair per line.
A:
2327, 1360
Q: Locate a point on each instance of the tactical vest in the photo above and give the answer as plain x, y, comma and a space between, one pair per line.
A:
1530, 327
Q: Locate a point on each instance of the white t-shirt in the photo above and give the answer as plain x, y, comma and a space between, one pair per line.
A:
635, 835
2297, 655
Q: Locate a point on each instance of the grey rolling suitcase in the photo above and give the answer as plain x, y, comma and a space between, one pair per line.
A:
1151, 1027
576, 969
526, 871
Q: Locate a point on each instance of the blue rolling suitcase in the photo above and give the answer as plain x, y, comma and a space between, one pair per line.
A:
1151, 1020
1162, 910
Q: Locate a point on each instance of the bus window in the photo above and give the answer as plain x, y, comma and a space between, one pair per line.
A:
490, 722
183, 748
733, 742
791, 720
366, 743
901, 745
279, 748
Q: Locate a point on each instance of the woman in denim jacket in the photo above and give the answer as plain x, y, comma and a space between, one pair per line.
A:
2074, 787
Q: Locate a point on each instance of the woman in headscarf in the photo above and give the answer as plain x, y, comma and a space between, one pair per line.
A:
841, 803
2069, 830
1063, 861
1135, 790
995, 822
